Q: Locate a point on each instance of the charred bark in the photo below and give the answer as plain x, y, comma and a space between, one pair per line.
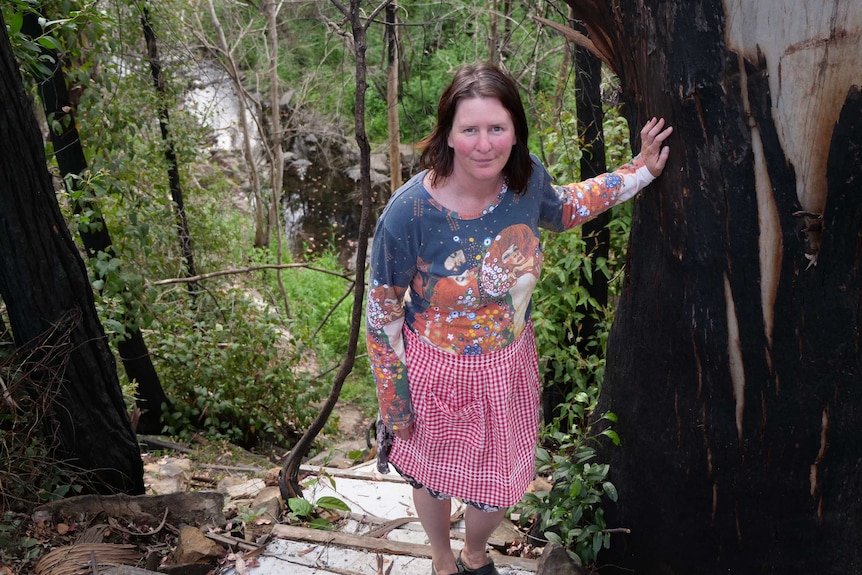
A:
735, 360
95, 237
50, 303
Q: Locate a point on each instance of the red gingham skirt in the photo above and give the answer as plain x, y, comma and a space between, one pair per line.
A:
476, 420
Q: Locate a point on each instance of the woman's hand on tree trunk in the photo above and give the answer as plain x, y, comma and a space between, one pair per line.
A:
653, 153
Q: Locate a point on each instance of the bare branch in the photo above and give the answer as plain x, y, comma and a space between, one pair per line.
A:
376, 12
245, 270
341, 8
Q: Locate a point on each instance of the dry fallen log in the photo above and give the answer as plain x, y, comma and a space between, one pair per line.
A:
295, 533
192, 508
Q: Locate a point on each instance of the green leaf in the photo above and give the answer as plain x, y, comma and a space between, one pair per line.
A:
334, 503
300, 506
49, 42
612, 435
15, 20
320, 523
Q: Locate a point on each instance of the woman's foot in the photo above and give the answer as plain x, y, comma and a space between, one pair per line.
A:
454, 569
470, 569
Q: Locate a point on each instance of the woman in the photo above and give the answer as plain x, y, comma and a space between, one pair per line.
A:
454, 262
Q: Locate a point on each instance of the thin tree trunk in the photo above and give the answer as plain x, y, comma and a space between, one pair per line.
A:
96, 238
597, 237
595, 232
50, 303
493, 33
392, 98
182, 223
261, 229
276, 164
289, 478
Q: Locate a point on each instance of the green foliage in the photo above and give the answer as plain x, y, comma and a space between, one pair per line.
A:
570, 513
229, 370
14, 543
321, 515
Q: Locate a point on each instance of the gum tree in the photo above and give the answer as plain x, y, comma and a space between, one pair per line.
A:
735, 359
50, 305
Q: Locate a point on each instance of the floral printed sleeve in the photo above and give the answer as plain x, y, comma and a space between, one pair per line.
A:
579, 202
391, 269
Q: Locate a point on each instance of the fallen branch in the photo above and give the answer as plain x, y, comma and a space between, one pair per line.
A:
244, 270
295, 533
193, 508
114, 525
235, 543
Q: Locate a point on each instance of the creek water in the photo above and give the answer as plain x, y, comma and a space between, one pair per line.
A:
321, 198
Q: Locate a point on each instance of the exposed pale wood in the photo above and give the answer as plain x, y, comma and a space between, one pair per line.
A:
579, 39
295, 533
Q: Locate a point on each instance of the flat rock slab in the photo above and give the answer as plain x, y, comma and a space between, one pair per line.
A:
348, 551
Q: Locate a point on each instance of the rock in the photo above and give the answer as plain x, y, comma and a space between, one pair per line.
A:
269, 499
507, 532
241, 488
169, 475
557, 561
193, 546
271, 478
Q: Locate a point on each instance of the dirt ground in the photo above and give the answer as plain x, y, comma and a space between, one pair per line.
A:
188, 468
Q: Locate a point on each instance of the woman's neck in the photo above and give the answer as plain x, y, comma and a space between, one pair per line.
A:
464, 197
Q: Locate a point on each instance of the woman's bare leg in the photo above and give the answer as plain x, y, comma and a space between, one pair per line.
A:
479, 527
434, 515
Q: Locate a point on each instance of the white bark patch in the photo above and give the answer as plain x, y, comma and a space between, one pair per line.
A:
770, 243
821, 453
812, 52
734, 356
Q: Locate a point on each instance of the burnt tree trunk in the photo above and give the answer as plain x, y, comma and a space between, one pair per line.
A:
50, 303
95, 237
735, 360
597, 237
174, 182
588, 101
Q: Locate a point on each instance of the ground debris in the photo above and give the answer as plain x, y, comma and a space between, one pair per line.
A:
191, 508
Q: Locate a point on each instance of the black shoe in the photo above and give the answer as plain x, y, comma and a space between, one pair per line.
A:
487, 569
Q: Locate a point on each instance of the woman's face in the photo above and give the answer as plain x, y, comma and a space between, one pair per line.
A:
481, 138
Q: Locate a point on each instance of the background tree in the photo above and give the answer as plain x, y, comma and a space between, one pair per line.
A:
44, 283
59, 109
168, 140
734, 361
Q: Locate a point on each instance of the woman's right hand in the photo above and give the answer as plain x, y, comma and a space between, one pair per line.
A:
653, 150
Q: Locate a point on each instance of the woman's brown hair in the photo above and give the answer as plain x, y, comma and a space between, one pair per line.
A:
479, 80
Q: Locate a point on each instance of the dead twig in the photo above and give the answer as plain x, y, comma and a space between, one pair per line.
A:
244, 270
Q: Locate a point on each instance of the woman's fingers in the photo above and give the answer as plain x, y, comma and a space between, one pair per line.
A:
653, 153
